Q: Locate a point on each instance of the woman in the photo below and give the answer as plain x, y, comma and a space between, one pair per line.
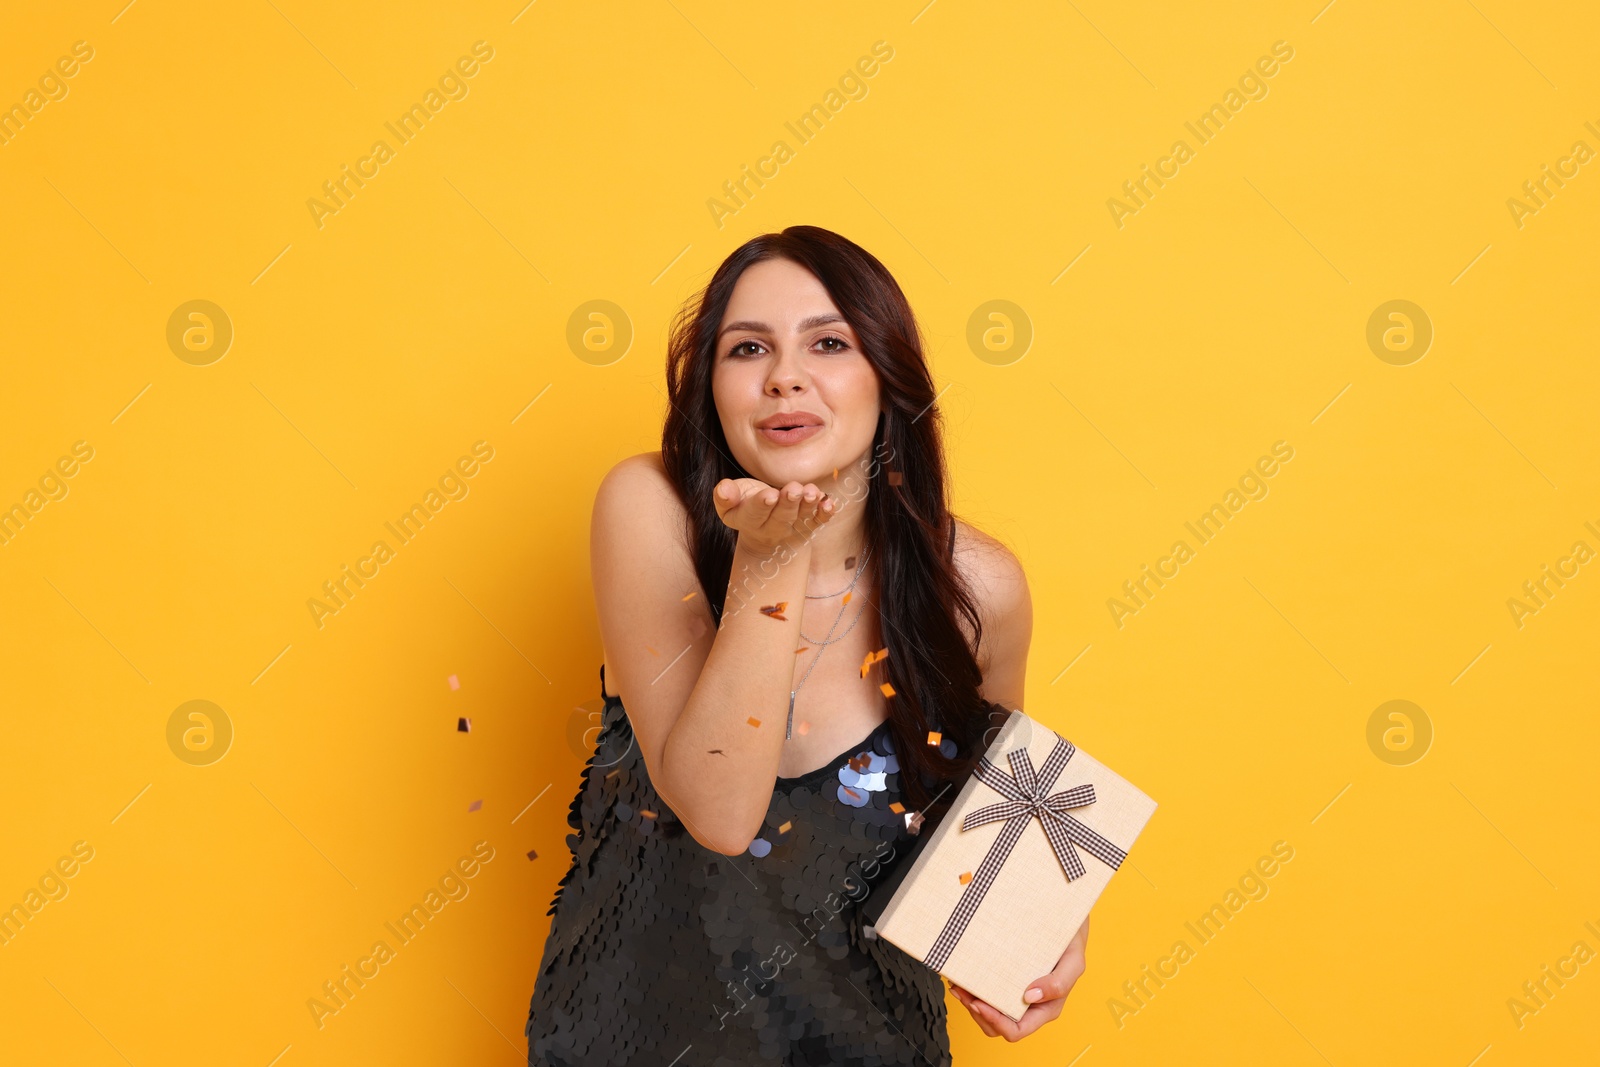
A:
811, 649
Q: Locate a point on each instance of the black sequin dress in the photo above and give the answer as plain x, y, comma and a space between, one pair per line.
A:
663, 952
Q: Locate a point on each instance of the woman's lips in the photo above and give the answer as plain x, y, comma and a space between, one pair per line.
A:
791, 436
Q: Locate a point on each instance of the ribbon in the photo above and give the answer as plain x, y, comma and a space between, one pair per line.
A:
1028, 797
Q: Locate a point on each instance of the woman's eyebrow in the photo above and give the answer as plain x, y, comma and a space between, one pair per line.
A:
803, 325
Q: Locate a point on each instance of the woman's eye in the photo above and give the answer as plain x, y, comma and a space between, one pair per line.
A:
836, 340
737, 350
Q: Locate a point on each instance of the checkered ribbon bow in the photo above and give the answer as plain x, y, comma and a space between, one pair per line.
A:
1028, 797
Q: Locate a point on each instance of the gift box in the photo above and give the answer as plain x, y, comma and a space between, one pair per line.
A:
1001, 886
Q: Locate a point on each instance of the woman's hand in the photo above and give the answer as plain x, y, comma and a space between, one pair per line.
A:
1053, 989
766, 517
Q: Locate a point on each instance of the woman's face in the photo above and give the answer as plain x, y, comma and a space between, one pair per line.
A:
783, 348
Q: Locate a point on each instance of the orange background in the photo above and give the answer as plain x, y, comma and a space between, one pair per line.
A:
435, 309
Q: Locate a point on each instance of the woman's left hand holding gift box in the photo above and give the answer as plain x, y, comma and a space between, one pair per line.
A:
1052, 995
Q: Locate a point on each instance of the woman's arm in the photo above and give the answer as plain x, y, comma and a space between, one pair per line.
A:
691, 689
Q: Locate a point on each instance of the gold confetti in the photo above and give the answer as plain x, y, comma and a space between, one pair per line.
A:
888, 690
785, 827
898, 808
692, 593
966, 876
753, 721
934, 736
894, 477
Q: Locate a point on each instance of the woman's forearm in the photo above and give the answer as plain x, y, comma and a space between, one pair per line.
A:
720, 764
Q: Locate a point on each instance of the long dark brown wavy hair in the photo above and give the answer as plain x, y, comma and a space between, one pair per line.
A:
907, 525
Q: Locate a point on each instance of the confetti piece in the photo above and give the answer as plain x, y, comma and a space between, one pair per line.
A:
753, 721
966, 876
836, 474
715, 752
475, 805
934, 737
850, 563
803, 729
888, 690
894, 477
647, 813
852, 792
532, 855
898, 808
775, 611
798, 651
612, 771
692, 593
464, 726
785, 827
454, 684
882, 653
847, 597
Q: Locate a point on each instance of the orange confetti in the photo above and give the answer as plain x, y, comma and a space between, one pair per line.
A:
753, 721
652, 651
836, 474
775, 611
887, 689
966, 876
692, 593
847, 597
898, 808
882, 653
852, 792
798, 651
647, 814
785, 827
934, 736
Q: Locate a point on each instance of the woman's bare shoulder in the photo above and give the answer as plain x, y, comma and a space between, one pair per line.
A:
991, 570
999, 585
638, 487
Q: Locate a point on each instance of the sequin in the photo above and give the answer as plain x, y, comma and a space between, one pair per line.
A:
660, 946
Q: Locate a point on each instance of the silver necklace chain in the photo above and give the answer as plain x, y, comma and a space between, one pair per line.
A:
788, 730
